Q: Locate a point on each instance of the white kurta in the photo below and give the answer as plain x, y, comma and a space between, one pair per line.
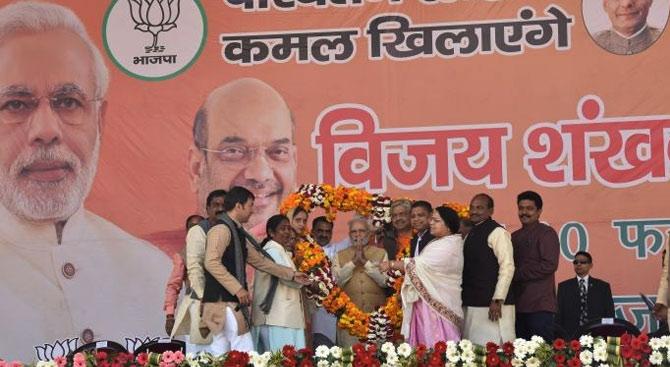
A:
187, 318
478, 328
100, 279
323, 322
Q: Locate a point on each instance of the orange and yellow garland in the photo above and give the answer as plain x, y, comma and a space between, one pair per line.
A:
331, 199
462, 209
311, 259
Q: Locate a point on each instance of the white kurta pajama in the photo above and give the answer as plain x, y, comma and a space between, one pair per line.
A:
100, 282
478, 328
187, 319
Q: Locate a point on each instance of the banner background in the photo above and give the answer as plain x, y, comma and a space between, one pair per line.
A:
153, 127
143, 183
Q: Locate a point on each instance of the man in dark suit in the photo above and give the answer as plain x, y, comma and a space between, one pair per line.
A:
420, 219
575, 309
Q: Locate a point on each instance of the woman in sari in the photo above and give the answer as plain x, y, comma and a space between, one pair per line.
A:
431, 292
298, 217
277, 307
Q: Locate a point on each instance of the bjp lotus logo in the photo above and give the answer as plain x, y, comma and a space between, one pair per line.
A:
171, 49
154, 16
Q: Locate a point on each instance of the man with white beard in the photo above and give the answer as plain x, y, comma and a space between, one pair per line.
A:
67, 276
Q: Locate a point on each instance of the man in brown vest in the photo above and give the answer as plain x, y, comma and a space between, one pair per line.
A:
357, 272
226, 297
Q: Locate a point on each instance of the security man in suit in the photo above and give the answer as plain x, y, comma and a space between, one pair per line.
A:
583, 298
660, 310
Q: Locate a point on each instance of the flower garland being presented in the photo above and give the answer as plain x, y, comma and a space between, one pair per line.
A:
310, 258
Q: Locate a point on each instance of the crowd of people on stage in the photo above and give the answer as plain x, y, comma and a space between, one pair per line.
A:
465, 278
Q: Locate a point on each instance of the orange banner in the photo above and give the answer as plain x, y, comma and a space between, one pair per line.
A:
151, 104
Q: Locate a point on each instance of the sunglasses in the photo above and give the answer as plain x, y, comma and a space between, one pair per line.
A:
575, 262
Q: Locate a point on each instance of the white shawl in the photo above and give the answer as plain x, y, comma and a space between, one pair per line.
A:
435, 276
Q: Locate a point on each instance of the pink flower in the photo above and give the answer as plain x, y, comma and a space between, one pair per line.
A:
79, 357
167, 356
79, 364
3, 363
16, 364
178, 357
60, 361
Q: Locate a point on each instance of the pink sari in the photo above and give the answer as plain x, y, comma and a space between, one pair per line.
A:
431, 293
428, 328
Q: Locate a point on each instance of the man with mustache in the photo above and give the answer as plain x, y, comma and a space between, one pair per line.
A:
630, 32
400, 230
243, 136
488, 269
324, 324
536, 250
66, 272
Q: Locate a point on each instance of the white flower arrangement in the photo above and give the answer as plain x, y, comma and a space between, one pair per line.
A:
465, 345
533, 362
336, 352
259, 360
656, 358
586, 341
322, 351
586, 357
404, 350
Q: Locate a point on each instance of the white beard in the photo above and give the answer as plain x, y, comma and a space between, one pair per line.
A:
48, 201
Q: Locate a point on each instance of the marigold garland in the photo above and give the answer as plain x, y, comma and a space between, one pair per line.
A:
375, 326
404, 246
462, 210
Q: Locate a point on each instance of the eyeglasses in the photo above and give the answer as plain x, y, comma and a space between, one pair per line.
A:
242, 154
72, 109
358, 231
576, 262
402, 214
